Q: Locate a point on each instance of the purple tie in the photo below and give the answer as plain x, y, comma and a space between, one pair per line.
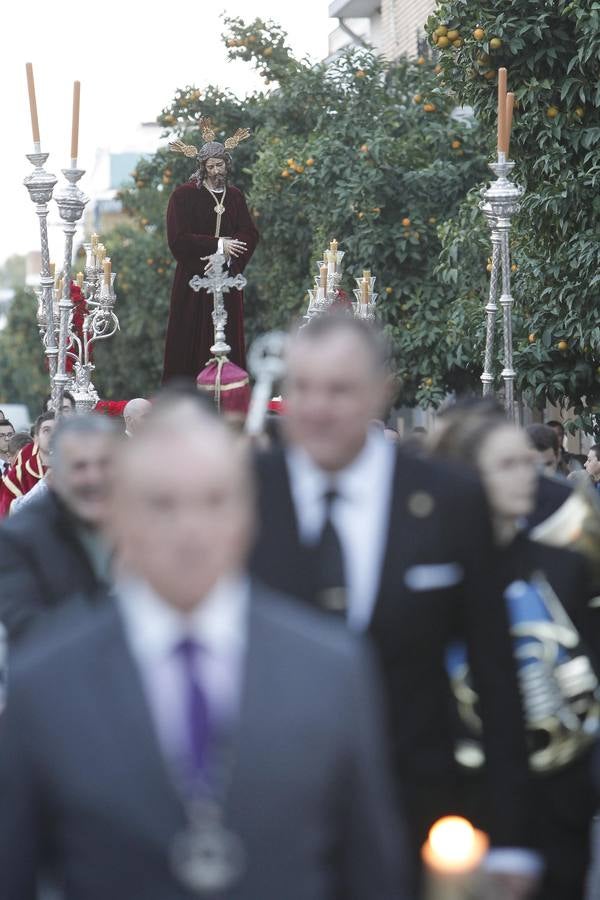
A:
195, 706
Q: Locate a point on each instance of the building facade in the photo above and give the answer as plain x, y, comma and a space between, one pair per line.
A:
392, 27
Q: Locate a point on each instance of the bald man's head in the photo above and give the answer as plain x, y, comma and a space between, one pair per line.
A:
134, 414
184, 525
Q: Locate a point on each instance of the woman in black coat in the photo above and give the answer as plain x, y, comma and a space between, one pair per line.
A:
556, 646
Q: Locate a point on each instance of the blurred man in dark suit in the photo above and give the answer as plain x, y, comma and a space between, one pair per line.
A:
401, 547
199, 736
56, 547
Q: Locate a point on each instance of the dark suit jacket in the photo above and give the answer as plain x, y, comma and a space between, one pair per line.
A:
42, 563
82, 776
411, 628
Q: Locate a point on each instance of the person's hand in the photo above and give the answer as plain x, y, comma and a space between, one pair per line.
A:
510, 886
233, 247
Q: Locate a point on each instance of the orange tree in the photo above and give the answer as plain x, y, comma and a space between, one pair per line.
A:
552, 52
365, 151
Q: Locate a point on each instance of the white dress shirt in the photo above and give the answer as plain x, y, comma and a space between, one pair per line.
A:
360, 515
154, 629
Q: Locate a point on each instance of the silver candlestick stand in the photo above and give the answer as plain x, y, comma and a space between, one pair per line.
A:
99, 323
71, 202
365, 306
40, 185
218, 282
500, 203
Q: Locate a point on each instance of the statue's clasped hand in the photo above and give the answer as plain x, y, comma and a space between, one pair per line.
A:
233, 247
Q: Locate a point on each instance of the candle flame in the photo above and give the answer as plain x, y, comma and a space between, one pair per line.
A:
454, 845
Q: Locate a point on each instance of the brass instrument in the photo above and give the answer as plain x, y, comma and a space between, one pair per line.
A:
575, 526
559, 689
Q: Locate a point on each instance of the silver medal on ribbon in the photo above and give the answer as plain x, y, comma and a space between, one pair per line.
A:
207, 857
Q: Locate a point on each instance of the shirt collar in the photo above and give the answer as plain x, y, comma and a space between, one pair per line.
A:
153, 627
353, 480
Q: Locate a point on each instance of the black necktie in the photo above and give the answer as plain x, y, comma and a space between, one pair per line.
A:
329, 563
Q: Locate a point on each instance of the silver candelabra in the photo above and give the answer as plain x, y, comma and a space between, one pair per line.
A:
500, 203
328, 283
55, 312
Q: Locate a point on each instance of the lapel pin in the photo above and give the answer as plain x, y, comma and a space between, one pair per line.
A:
421, 504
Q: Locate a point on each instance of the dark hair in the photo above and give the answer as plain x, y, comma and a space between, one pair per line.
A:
182, 388
5, 422
543, 438
84, 425
595, 448
45, 417
67, 395
371, 336
464, 428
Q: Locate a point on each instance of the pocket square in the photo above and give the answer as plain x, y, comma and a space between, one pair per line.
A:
433, 576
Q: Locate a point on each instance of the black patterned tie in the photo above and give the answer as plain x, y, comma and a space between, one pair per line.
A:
329, 562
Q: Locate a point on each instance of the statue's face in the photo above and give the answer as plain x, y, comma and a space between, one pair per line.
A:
216, 172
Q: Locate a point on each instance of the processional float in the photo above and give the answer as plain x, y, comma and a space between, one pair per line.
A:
500, 202
67, 349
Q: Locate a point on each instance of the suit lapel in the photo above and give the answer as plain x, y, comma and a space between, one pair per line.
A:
121, 706
253, 740
285, 561
403, 531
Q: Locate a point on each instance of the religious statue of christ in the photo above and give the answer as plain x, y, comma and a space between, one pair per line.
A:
206, 215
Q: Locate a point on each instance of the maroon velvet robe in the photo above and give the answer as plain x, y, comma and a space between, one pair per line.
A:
191, 223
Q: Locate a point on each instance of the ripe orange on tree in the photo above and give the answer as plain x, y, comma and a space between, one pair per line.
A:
406, 222
453, 34
479, 34
495, 43
562, 346
455, 144
580, 112
310, 161
552, 112
443, 42
531, 338
429, 107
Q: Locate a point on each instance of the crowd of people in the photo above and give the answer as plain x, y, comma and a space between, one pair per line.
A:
264, 671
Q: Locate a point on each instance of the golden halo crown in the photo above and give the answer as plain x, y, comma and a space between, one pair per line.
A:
208, 136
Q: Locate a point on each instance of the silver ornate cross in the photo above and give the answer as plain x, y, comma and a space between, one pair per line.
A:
266, 363
218, 282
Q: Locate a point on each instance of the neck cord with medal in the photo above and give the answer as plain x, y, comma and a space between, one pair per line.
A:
219, 206
207, 857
